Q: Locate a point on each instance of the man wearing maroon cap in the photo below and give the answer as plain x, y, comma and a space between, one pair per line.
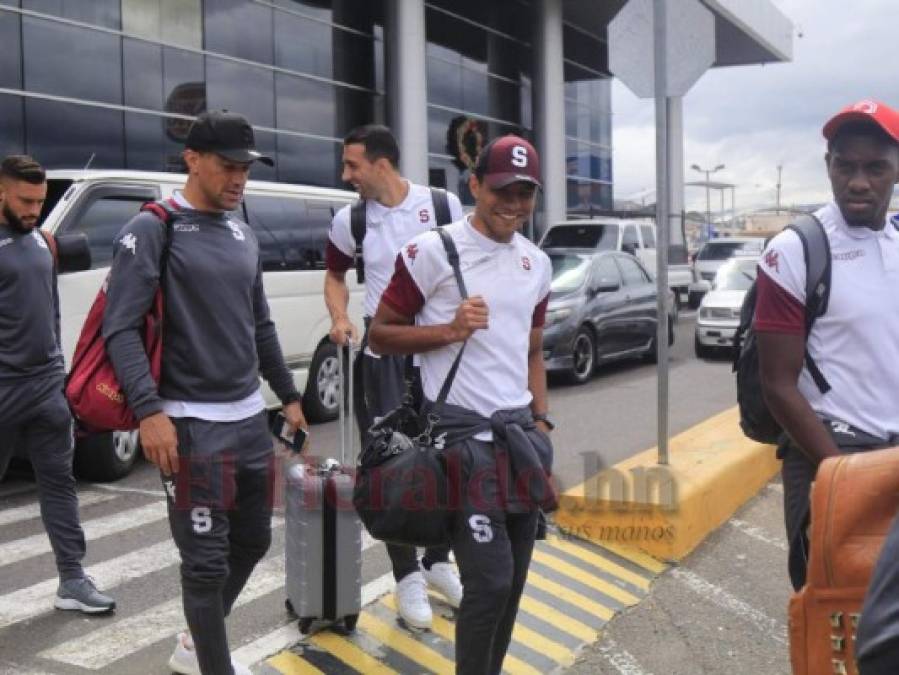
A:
495, 415
853, 344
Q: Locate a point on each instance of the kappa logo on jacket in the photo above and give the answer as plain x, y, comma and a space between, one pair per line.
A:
129, 241
39, 239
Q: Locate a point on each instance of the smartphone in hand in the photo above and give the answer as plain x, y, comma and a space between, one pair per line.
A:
295, 440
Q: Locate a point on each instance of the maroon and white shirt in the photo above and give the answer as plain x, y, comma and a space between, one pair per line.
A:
514, 280
855, 343
387, 228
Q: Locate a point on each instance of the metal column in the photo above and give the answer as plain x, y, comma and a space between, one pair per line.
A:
549, 107
407, 85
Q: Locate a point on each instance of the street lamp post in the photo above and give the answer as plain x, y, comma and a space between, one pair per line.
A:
708, 196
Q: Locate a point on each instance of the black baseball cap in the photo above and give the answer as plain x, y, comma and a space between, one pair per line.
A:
227, 134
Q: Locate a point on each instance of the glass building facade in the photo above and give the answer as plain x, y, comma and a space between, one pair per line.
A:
115, 83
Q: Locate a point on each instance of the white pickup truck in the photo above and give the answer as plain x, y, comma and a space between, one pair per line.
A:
637, 237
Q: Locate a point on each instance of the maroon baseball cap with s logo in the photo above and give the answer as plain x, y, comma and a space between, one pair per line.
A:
506, 160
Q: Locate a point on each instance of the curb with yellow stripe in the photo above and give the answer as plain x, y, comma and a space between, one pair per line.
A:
574, 588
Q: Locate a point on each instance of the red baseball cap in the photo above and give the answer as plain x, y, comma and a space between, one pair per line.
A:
506, 160
874, 112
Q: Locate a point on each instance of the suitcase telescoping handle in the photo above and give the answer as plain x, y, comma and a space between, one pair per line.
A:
346, 417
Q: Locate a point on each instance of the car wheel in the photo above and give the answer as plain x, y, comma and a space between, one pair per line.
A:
701, 350
584, 356
322, 397
694, 298
107, 457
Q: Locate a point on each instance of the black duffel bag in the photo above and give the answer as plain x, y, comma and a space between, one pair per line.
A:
402, 488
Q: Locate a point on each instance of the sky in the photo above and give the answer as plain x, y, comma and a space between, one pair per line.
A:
752, 118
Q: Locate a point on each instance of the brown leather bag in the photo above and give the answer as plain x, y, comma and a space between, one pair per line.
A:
854, 499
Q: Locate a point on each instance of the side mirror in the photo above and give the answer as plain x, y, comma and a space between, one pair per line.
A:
605, 286
74, 252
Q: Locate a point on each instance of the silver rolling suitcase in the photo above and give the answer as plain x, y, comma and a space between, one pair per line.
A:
323, 538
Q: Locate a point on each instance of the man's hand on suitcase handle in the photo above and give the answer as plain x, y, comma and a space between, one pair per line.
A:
343, 329
293, 413
160, 442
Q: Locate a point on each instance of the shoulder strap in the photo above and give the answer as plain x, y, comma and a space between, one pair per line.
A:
51, 244
816, 251
452, 255
357, 229
441, 206
167, 211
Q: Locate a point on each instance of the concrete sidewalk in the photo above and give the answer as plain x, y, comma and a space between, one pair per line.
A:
721, 611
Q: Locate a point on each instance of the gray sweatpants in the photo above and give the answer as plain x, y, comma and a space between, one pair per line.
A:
34, 415
220, 511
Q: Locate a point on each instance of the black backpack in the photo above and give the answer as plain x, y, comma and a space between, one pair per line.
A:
358, 226
756, 420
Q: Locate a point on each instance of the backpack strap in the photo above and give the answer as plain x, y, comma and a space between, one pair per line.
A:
452, 255
816, 251
442, 214
51, 244
357, 229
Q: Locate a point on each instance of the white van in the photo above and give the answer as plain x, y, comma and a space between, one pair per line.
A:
291, 223
637, 237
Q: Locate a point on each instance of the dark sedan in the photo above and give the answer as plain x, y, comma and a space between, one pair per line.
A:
602, 308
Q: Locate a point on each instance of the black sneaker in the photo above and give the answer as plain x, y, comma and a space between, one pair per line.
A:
82, 595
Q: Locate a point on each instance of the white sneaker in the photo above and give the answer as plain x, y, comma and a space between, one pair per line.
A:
444, 579
412, 601
184, 659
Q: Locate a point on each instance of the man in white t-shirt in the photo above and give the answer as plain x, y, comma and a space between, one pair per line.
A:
854, 342
393, 211
494, 417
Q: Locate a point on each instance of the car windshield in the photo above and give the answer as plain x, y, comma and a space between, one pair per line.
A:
722, 250
569, 272
603, 237
737, 275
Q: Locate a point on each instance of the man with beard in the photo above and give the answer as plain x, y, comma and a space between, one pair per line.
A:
395, 210
34, 413
852, 345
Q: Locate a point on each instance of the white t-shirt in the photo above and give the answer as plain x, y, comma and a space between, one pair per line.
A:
232, 411
387, 229
855, 344
514, 280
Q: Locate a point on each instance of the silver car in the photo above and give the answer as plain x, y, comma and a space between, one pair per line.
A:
719, 312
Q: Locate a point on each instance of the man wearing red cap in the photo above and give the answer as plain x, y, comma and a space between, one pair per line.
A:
494, 416
852, 345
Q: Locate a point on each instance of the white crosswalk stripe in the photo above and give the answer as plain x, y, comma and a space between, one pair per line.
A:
107, 645
29, 511
38, 544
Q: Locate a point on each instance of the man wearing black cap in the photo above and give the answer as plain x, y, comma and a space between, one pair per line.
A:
853, 343
495, 415
204, 424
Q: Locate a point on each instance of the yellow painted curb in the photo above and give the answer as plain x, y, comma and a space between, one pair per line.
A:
666, 511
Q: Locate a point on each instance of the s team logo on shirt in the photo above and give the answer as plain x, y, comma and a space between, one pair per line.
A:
236, 231
129, 241
849, 255
424, 216
186, 227
411, 252
526, 263
771, 261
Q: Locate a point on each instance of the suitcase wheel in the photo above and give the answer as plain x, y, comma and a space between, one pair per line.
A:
349, 621
288, 605
305, 624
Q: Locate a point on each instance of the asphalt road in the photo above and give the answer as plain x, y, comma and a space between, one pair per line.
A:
130, 551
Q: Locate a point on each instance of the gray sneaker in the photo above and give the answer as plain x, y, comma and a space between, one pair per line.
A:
82, 594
